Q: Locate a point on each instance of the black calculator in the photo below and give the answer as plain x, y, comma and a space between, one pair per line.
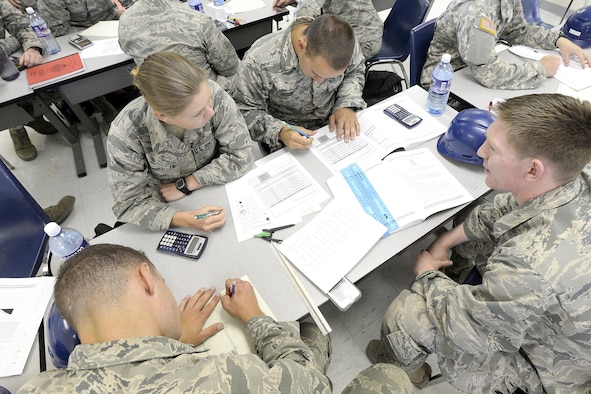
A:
188, 245
403, 116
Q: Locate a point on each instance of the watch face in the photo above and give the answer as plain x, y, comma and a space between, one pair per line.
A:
180, 183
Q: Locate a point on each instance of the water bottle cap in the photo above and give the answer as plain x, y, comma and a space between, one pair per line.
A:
446, 58
30, 10
52, 229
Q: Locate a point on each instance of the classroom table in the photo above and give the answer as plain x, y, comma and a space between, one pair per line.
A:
224, 257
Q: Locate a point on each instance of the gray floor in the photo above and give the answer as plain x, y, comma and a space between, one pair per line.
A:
52, 175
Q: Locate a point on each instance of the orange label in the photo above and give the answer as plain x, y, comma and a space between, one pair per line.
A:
488, 25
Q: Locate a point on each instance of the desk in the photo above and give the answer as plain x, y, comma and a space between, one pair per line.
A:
466, 87
225, 257
255, 24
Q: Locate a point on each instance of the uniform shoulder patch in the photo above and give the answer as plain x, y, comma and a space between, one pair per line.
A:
488, 26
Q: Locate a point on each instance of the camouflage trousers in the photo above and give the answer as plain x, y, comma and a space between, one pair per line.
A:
381, 379
409, 335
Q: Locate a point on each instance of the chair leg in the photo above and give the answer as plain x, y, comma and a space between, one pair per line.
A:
6, 162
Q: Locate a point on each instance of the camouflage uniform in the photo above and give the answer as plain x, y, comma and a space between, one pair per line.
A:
380, 379
17, 24
271, 88
361, 15
469, 30
285, 364
68, 16
143, 154
166, 25
528, 324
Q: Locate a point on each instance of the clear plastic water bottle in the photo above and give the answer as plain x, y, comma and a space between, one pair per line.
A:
64, 242
196, 5
440, 86
39, 26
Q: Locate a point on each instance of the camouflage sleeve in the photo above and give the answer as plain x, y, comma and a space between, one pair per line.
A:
477, 49
251, 94
490, 317
292, 363
310, 8
220, 51
234, 143
56, 14
519, 32
135, 192
479, 224
350, 92
17, 25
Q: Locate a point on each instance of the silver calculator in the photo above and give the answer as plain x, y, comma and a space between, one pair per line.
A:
188, 245
402, 115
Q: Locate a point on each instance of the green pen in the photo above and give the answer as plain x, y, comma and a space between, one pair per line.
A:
208, 214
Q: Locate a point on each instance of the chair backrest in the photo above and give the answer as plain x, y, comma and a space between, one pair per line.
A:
404, 15
531, 11
22, 239
420, 39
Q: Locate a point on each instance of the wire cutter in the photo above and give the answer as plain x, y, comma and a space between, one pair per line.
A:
267, 233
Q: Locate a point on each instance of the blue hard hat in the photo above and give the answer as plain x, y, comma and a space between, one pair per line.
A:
465, 134
578, 27
61, 338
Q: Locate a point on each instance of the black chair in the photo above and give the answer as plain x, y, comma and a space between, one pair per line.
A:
23, 243
420, 39
531, 10
404, 15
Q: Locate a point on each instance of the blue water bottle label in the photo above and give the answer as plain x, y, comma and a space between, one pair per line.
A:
439, 86
82, 246
41, 30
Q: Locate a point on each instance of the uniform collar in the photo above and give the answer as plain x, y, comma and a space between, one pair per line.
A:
111, 353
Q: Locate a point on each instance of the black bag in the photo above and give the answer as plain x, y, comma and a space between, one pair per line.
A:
380, 85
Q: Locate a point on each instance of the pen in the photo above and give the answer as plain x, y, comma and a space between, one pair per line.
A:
208, 214
300, 132
234, 21
232, 288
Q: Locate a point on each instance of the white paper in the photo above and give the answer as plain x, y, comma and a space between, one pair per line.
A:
23, 302
102, 29
412, 185
100, 48
332, 243
380, 135
272, 194
574, 76
237, 6
234, 337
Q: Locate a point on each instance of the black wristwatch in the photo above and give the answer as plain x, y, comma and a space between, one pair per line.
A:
182, 186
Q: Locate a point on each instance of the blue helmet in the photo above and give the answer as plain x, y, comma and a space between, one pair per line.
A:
465, 134
61, 338
578, 27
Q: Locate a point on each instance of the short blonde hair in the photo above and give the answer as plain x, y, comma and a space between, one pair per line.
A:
168, 81
550, 126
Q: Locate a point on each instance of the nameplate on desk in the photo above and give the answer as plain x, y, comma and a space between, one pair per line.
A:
55, 70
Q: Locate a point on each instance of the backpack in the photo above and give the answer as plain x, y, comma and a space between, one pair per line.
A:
380, 85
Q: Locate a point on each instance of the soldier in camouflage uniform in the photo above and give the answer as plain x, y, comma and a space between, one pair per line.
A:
179, 29
136, 338
66, 16
183, 133
361, 15
309, 75
469, 30
527, 325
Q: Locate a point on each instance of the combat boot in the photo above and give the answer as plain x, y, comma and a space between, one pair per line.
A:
59, 212
22, 144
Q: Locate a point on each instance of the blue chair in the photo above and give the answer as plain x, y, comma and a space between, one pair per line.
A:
404, 15
23, 242
420, 39
531, 10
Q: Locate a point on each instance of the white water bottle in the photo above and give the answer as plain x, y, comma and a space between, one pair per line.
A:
196, 5
440, 86
64, 242
39, 26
